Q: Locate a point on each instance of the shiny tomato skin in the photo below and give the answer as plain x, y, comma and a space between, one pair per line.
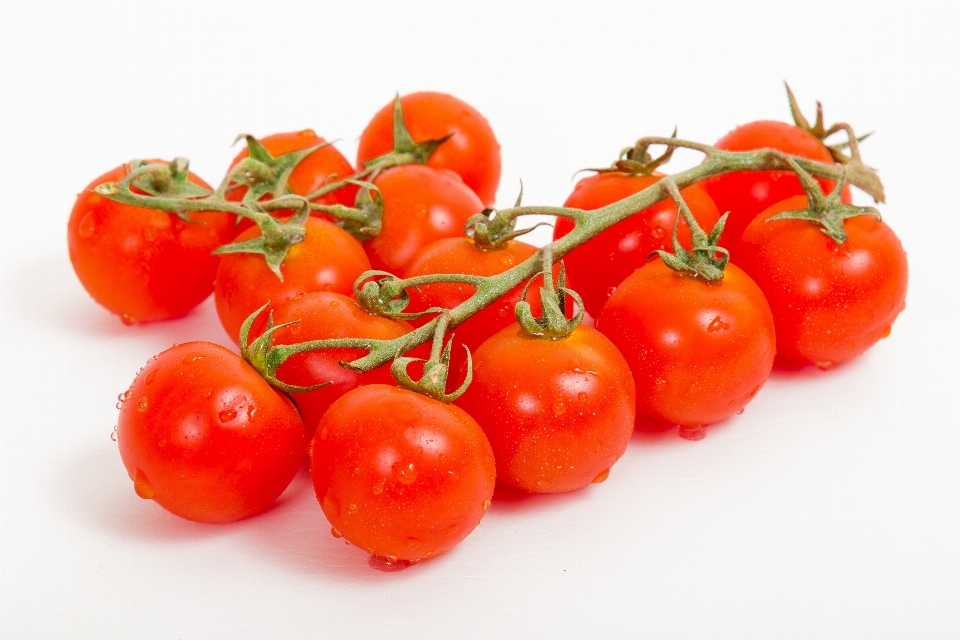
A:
323, 315
746, 193
473, 152
399, 474
558, 413
698, 350
830, 302
328, 259
420, 205
600, 264
202, 434
143, 264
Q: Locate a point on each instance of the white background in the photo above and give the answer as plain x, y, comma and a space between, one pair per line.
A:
828, 510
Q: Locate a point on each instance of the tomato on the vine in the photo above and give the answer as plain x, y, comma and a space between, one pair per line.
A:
698, 350
328, 259
601, 263
830, 302
323, 315
400, 474
472, 152
558, 413
143, 264
420, 205
746, 193
203, 435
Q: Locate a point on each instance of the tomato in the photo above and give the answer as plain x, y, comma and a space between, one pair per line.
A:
600, 264
143, 264
328, 259
558, 413
472, 152
323, 315
746, 193
831, 302
203, 435
312, 173
698, 350
420, 205
400, 474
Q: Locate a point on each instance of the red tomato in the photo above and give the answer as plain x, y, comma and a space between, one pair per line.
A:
324, 315
328, 259
420, 205
472, 152
746, 193
602, 263
399, 474
558, 413
143, 264
831, 302
698, 350
203, 435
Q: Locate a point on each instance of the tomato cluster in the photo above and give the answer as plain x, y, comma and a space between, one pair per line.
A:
323, 274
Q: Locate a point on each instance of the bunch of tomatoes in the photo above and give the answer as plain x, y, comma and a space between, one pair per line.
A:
397, 330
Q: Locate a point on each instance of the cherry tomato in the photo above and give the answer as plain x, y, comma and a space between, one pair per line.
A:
602, 263
143, 264
698, 350
203, 435
312, 173
472, 152
831, 302
746, 193
558, 413
399, 474
323, 315
420, 205
328, 259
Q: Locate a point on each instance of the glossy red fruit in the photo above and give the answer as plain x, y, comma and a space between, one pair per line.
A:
472, 152
205, 437
143, 264
831, 302
399, 474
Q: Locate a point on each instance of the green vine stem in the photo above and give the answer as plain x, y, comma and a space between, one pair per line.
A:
552, 323
702, 259
436, 369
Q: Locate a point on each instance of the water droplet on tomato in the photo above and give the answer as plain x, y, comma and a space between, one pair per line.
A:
150, 377
658, 232
405, 472
610, 291
717, 324
542, 484
582, 396
227, 415
330, 506
142, 404
387, 564
128, 319
141, 485
352, 509
378, 488
299, 296
486, 505
660, 384
602, 476
559, 408
504, 311
113, 434
334, 303
335, 533
307, 133
452, 529
886, 333
826, 364
190, 358
692, 432
87, 226
252, 412
207, 393
429, 554
391, 558
123, 397
453, 475
413, 543
740, 412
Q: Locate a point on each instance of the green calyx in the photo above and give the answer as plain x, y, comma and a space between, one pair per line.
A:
436, 369
637, 161
263, 174
553, 323
490, 231
826, 211
160, 181
821, 132
705, 258
264, 357
405, 150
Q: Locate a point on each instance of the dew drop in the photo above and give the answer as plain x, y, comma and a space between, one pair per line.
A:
141, 486
542, 484
378, 488
582, 396
740, 411
886, 333
88, 225
307, 133
352, 509
330, 506
335, 533
603, 476
660, 384
385, 564
299, 296
453, 475
610, 291
559, 408
190, 358
692, 433
717, 324
150, 377
452, 529
503, 311
123, 397
113, 434
413, 543
405, 472
486, 504
826, 364
334, 303
658, 232
252, 412
227, 415
128, 319
142, 404
207, 394
391, 558
429, 554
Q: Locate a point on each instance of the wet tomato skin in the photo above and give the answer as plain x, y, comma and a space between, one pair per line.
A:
830, 302
203, 435
328, 259
473, 152
323, 315
558, 413
399, 474
746, 193
698, 350
143, 264
600, 264
420, 205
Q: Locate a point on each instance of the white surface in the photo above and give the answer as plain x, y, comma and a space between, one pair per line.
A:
828, 510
